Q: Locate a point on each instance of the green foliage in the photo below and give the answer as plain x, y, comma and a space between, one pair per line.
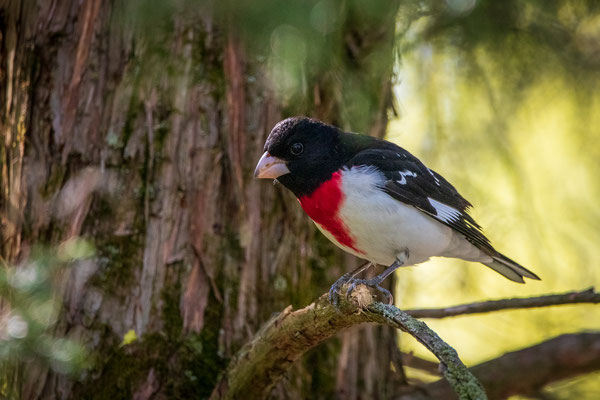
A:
308, 48
31, 305
525, 37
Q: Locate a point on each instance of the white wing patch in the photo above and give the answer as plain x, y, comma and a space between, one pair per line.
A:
437, 181
404, 174
444, 212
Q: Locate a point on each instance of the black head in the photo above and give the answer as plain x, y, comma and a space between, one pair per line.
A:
301, 153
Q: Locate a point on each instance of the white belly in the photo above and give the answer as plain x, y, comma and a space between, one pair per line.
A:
384, 227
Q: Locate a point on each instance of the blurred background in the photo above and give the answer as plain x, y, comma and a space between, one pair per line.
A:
511, 117
138, 254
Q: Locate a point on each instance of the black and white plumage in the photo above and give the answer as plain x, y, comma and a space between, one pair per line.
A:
408, 180
374, 199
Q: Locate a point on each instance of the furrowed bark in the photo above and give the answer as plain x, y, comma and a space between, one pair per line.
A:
137, 125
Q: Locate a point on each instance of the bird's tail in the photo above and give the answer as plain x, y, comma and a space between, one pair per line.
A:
510, 269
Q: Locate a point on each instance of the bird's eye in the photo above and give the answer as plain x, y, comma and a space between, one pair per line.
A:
297, 149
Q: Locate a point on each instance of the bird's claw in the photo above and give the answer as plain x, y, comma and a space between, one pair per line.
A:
348, 279
334, 290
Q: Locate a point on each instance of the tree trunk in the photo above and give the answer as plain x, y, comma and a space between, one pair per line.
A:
139, 132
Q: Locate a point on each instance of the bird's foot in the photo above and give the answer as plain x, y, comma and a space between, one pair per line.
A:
335, 289
352, 283
374, 283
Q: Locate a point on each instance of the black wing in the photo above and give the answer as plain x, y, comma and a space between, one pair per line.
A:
411, 182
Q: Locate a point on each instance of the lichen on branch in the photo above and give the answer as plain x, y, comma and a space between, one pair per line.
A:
263, 361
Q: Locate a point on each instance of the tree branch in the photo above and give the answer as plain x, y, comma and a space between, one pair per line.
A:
528, 370
464, 384
259, 365
584, 296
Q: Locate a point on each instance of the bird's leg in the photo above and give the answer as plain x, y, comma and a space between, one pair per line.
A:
334, 291
376, 281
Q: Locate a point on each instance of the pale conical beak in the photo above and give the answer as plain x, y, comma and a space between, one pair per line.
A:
270, 167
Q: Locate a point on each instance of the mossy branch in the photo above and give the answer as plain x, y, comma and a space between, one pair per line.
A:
260, 364
263, 361
460, 378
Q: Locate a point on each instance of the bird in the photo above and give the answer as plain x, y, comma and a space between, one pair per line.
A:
377, 201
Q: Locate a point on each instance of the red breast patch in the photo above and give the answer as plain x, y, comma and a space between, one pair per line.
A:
323, 206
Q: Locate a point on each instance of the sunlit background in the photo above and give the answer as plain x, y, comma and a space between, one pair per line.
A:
517, 131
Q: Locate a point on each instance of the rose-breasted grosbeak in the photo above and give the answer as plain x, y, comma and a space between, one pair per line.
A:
375, 200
